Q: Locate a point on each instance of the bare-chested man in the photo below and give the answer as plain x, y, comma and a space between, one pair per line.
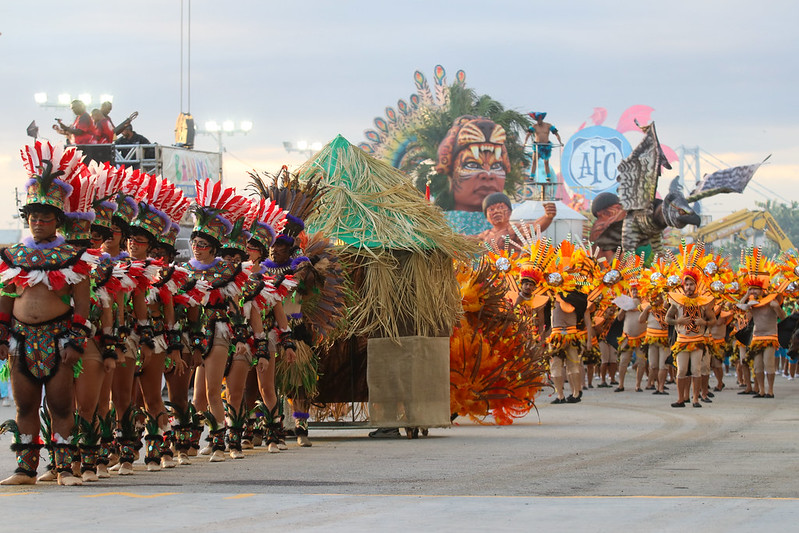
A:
689, 315
540, 131
766, 312
497, 209
632, 342
42, 326
571, 332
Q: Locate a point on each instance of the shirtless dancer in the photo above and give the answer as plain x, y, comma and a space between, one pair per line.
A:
41, 316
632, 340
689, 315
766, 312
497, 209
540, 130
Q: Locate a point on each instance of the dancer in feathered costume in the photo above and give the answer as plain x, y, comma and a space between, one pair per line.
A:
154, 311
690, 313
80, 217
634, 329
263, 296
234, 250
120, 186
209, 318
297, 376
178, 365
572, 330
606, 284
654, 284
764, 304
719, 343
43, 309
111, 284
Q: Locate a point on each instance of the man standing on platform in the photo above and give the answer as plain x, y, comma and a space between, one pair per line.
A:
540, 131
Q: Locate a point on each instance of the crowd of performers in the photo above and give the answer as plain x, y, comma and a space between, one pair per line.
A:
682, 316
95, 314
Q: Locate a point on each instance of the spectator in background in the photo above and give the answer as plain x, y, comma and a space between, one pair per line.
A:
103, 128
128, 136
82, 129
105, 109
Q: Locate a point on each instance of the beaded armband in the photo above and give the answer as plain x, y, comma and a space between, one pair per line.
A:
286, 339
261, 350
78, 334
122, 333
241, 333
173, 340
108, 346
146, 334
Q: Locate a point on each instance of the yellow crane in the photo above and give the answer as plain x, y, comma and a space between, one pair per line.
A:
739, 223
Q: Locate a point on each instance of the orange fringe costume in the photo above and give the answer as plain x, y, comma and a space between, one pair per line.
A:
496, 359
632, 342
560, 339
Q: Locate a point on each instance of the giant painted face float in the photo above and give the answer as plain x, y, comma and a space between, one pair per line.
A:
474, 157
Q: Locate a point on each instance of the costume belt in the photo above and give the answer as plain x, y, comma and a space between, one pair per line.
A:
37, 345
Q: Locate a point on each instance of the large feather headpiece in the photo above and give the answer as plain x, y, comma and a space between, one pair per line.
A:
78, 206
214, 207
297, 199
49, 169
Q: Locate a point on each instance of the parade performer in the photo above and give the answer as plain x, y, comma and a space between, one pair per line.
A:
689, 314
297, 377
158, 337
210, 322
177, 371
44, 302
262, 297
110, 283
95, 365
717, 275
497, 363
571, 321
234, 250
634, 330
497, 209
765, 308
653, 286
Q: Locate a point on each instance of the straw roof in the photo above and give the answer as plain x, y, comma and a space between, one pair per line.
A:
371, 205
402, 242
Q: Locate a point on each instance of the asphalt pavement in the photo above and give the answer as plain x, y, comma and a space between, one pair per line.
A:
613, 461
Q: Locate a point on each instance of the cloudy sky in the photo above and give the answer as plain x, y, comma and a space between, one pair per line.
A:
721, 75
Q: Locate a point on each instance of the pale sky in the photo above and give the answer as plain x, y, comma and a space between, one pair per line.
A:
721, 75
